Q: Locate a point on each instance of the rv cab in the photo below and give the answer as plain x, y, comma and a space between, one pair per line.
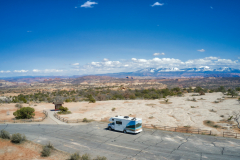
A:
125, 124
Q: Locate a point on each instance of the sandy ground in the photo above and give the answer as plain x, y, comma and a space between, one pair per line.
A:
177, 113
10, 108
26, 151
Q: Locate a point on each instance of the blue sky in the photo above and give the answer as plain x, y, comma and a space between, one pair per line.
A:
75, 37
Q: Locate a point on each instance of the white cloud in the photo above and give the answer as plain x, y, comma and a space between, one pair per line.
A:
157, 4
75, 64
46, 70
20, 71
201, 50
36, 70
157, 54
5, 71
88, 4
105, 60
238, 57
137, 64
52, 70
211, 7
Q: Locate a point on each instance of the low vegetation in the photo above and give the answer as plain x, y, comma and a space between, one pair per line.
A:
47, 150
210, 124
77, 156
64, 110
87, 120
113, 109
5, 134
18, 138
24, 113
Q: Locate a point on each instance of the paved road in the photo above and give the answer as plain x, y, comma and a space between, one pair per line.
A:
93, 138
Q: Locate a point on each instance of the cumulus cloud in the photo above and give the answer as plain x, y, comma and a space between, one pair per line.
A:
46, 70
20, 71
137, 64
201, 50
36, 70
5, 71
157, 54
105, 60
75, 64
157, 4
88, 4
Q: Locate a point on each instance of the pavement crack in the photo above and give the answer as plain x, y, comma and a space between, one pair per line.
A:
183, 143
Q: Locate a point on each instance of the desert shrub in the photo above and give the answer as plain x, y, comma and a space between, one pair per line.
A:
64, 110
222, 116
75, 156
19, 105
24, 113
86, 120
46, 151
5, 134
166, 100
49, 145
100, 158
86, 157
91, 99
201, 93
18, 138
194, 99
113, 109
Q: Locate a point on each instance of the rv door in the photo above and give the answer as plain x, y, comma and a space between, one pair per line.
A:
118, 125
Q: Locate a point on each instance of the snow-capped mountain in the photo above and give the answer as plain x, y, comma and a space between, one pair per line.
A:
203, 71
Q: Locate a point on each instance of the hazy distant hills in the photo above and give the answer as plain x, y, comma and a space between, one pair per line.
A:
176, 72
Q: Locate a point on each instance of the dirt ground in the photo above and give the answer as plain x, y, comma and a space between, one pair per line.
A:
177, 112
26, 151
6, 111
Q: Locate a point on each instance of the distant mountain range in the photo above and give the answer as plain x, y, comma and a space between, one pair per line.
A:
147, 73
176, 72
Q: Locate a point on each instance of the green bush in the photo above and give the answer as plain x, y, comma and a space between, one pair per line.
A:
86, 120
46, 151
5, 134
75, 156
24, 113
100, 158
86, 157
91, 99
18, 138
63, 109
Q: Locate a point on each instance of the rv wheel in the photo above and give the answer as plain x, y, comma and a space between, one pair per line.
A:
109, 128
124, 131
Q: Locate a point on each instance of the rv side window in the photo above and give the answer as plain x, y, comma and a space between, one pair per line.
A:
119, 122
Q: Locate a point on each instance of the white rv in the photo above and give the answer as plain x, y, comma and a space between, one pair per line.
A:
125, 124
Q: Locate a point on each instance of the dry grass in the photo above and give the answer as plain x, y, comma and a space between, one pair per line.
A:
163, 102
210, 124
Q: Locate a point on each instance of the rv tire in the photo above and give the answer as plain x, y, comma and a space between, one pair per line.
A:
109, 128
124, 131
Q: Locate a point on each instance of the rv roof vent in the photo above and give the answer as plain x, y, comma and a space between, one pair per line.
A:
134, 119
126, 116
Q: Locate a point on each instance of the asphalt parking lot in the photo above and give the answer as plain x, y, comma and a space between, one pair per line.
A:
95, 139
